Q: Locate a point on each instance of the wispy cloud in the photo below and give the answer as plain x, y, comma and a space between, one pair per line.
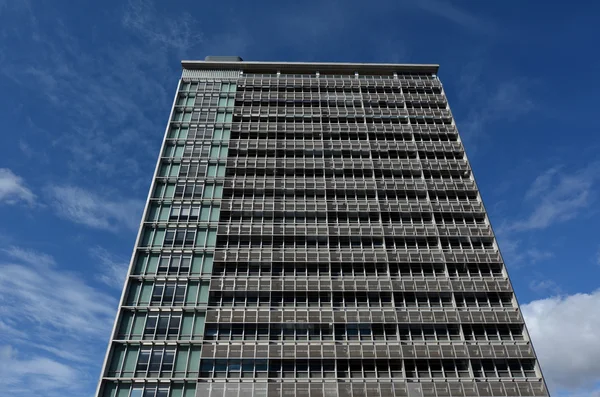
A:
110, 101
180, 34
516, 255
99, 212
507, 101
52, 322
31, 257
34, 374
456, 15
545, 286
112, 270
13, 189
570, 364
557, 196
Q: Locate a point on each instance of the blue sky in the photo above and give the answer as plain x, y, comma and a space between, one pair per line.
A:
85, 90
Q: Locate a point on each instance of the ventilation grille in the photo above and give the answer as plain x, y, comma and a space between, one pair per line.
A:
212, 74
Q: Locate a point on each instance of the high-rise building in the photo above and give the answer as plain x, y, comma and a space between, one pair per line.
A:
314, 229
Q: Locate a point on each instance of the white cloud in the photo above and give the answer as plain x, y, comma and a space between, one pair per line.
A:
507, 101
564, 331
13, 189
87, 208
543, 286
34, 374
142, 18
37, 293
450, 12
28, 256
557, 197
112, 270
52, 322
515, 255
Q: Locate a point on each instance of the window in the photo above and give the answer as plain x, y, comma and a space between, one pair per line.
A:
195, 151
192, 170
156, 361
174, 264
179, 238
166, 294
188, 190
178, 132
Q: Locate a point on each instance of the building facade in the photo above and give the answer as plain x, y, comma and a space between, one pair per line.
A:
314, 229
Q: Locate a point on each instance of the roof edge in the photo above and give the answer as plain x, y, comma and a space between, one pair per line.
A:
312, 67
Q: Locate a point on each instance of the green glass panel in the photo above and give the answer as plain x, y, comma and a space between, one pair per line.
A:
109, 390
221, 170
152, 264
139, 322
214, 151
225, 87
174, 171
217, 134
190, 101
169, 150
140, 264
178, 153
192, 293
226, 134
181, 360
159, 236
204, 289
214, 214
147, 237
183, 133
196, 267
220, 117
134, 291
130, 360
204, 213
176, 390
164, 170
230, 102
199, 324
194, 361
208, 191
153, 213
187, 324
218, 192
125, 324
169, 190
201, 237
211, 238
212, 171
190, 390
164, 213
224, 150
222, 102
159, 189
228, 117
208, 264
146, 293
123, 390
185, 86
232, 87
178, 116
117, 358
187, 117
